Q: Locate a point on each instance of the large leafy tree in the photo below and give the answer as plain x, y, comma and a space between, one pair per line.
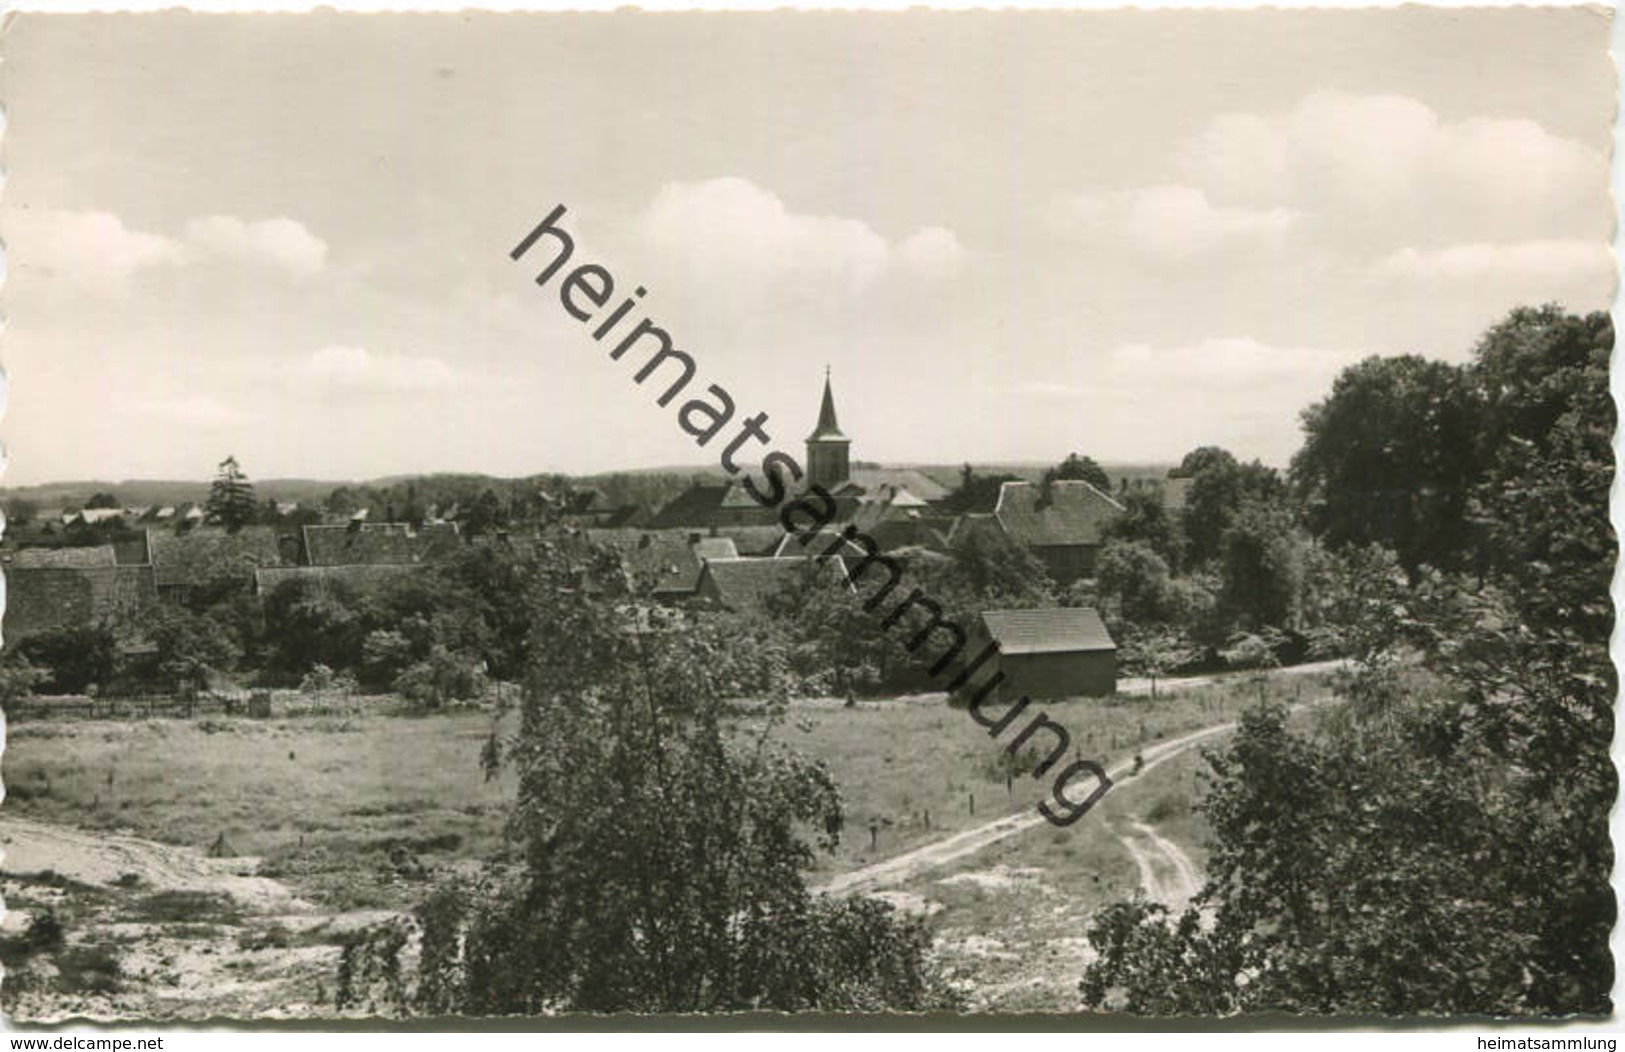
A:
1264, 565
1390, 457
1548, 422
659, 846
1135, 585
1220, 486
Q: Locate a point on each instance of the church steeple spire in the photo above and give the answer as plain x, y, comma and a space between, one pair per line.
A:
827, 427
827, 449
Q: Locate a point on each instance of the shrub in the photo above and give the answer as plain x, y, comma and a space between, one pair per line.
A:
1168, 805
442, 679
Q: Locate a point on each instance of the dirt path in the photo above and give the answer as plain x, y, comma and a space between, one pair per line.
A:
1167, 874
906, 866
104, 858
1142, 685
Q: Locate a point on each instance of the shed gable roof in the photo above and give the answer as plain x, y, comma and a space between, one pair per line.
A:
1055, 629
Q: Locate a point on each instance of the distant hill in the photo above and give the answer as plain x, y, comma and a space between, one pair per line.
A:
652, 484
1032, 471
131, 492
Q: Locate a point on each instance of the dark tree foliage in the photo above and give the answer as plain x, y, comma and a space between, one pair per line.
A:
1135, 584
1264, 563
977, 494
1146, 520
1390, 457
994, 570
1436, 843
306, 625
76, 656
19, 676
661, 848
1368, 879
1220, 486
1077, 468
192, 646
486, 514
101, 500
830, 643
231, 497
1548, 426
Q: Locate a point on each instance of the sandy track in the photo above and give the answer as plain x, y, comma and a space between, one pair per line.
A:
1167, 874
103, 858
911, 864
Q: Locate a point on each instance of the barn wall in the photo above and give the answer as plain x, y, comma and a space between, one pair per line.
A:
1090, 673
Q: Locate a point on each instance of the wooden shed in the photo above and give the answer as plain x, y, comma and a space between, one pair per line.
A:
1057, 652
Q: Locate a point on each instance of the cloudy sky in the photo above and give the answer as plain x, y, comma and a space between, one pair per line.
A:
1011, 236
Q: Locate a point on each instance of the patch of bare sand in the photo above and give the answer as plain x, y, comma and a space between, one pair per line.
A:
100, 858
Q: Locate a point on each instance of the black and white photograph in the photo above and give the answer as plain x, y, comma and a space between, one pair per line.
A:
897, 515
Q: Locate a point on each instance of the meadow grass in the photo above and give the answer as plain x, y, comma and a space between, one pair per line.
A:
902, 765
326, 800
322, 800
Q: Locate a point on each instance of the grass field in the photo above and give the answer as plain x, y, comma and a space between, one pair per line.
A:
290, 790
347, 811
909, 769
324, 801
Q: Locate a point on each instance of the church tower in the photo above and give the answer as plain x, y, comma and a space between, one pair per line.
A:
827, 449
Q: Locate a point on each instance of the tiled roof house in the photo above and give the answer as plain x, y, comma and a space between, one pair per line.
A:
1063, 530
747, 584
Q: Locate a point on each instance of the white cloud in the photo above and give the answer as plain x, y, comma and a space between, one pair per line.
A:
1481, 261
1180, 221
280, 242
97, 252
93, 250
744, 244
1172, 221
932, 252
358, 369
1388, 167
734, 229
